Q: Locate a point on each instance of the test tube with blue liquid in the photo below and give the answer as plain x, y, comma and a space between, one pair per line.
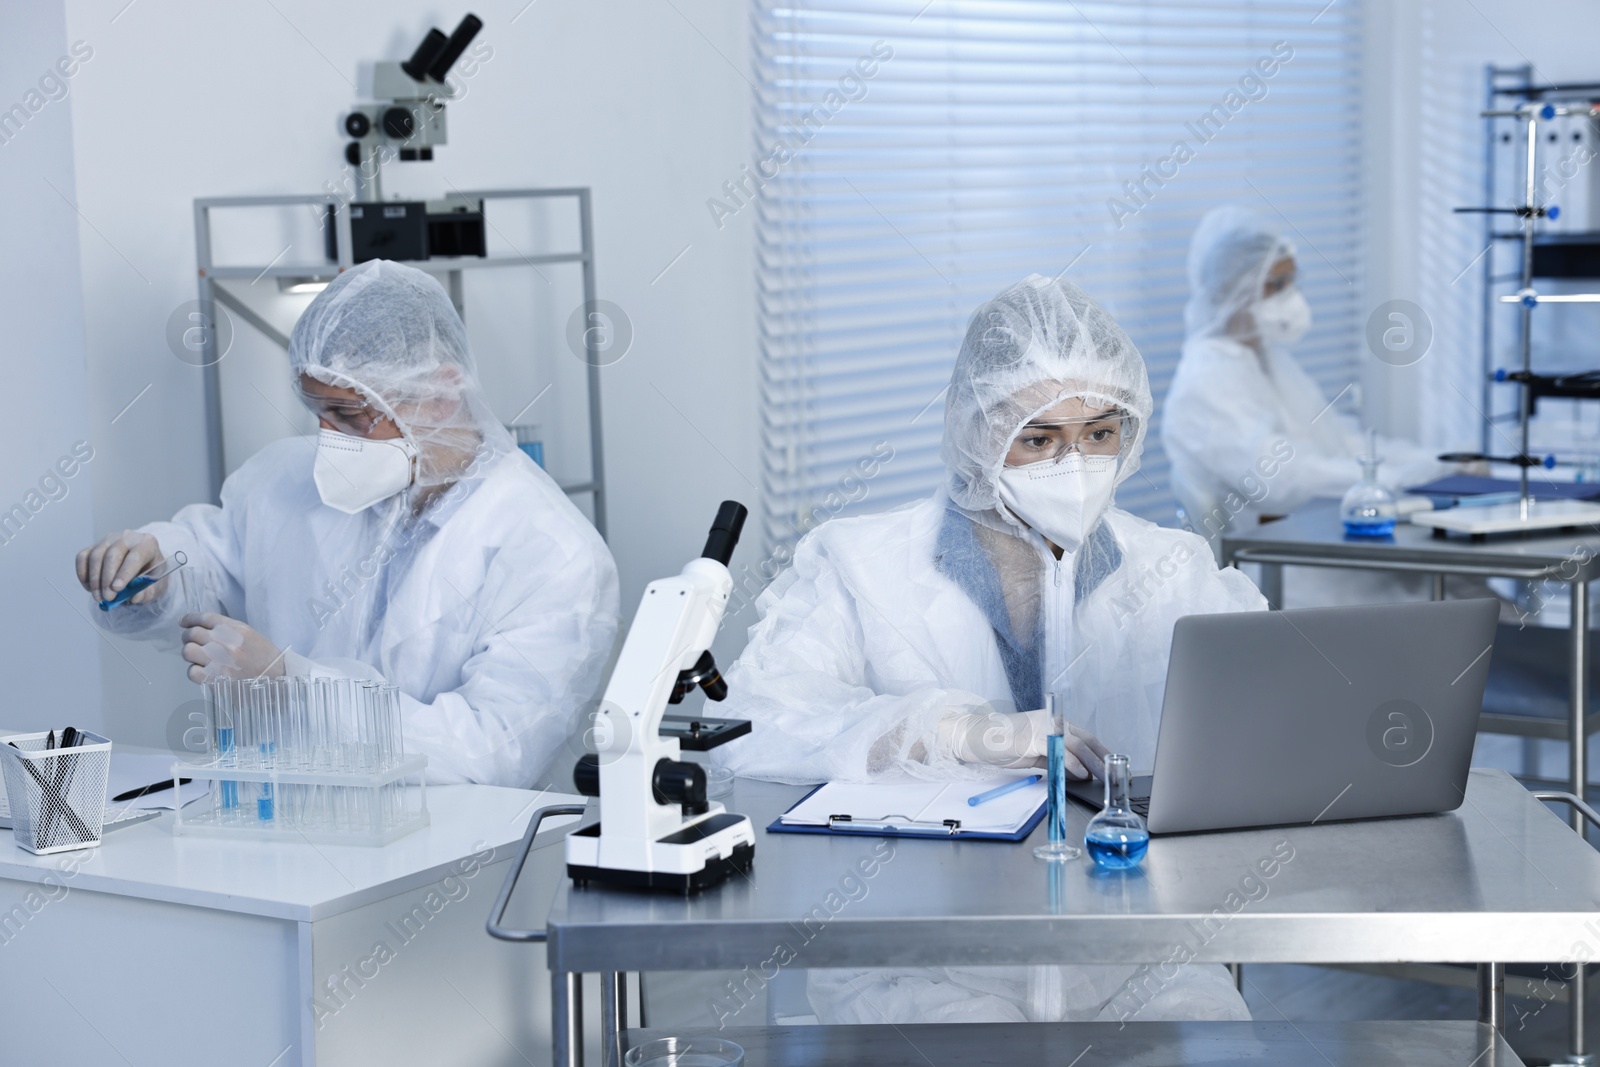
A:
1058, 849
222, 728
139, 583
1117, 838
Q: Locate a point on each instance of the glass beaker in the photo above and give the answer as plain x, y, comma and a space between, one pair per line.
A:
1369, 508
1058, 849
1117, 838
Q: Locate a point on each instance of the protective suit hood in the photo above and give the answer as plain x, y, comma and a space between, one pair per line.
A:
1034, 345
390, 332
1232, 252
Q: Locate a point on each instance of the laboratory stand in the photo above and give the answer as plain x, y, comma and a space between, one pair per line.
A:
1465, 892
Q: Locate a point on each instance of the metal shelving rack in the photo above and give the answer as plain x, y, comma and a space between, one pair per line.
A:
213, 293
1531, 106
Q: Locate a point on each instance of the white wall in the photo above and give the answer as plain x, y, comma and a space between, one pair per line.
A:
51, 654
1425, 157
646, 102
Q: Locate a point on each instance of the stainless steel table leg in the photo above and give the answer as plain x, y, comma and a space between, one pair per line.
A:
613, 1016
1578, 744
1272, 584
566, 1018
1578, 696
1492, 994
1576, 999
1436, 592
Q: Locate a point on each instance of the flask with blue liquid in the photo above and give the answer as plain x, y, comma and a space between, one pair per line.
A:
1369, 508
1117, 838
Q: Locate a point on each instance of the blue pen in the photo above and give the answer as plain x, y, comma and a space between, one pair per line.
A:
1000, 791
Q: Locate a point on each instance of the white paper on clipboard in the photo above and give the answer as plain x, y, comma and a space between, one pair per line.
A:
922, 804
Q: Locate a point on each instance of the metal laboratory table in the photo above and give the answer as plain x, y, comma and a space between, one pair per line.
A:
1314, 537
1501, 880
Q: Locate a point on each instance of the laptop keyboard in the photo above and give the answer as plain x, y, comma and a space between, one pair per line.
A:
1140, 805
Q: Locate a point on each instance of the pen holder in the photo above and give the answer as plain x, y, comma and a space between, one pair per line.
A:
57, 795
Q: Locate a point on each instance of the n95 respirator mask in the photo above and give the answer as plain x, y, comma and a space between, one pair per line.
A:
354, 473
1063, 499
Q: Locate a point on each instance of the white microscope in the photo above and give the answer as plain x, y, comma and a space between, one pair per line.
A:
657, 830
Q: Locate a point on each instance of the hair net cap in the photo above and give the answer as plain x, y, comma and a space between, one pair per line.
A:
1232, 252
1031, 347
391, 332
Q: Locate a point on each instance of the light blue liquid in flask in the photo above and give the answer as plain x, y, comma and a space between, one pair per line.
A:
1116, 838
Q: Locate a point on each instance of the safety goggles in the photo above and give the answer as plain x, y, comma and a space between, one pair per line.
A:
1048, 439
349, 416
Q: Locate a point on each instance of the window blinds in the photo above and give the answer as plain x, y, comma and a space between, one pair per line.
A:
912, 159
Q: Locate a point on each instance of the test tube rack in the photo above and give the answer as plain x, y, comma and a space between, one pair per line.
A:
304, 759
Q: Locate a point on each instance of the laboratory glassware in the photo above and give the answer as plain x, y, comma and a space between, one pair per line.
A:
685, 1052
1058, 849
159, 570
1117, 838
1369, 508
309, 758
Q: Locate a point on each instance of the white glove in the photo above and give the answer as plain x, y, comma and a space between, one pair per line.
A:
1018, 740
105, 569
216, 646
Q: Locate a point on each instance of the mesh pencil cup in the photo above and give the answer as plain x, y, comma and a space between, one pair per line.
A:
58, 795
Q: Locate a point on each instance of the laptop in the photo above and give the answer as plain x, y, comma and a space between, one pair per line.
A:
1281, 718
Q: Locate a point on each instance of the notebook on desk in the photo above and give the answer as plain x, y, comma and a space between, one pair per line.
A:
917, 809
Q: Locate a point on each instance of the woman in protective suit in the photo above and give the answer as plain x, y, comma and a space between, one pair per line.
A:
410, 541
920, 642
1249, 433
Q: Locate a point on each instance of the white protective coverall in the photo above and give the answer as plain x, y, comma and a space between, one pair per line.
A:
493, 610
1248, 432
1237, 399
887, 623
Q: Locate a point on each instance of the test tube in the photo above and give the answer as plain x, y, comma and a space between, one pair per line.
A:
225, 712
1057, 849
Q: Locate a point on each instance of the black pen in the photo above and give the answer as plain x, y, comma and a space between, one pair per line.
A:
135, 794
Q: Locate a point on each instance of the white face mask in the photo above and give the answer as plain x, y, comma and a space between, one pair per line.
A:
1282, 318
1061, 500
354, 473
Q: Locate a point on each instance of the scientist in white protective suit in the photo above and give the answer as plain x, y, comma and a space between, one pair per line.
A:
1250, 435
410, 541
1239, 397
920, 642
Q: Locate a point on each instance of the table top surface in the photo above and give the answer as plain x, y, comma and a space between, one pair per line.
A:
297, 880
1316, 532
1502, 878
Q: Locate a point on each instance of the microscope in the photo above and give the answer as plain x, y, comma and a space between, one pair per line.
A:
657, 829
408, 122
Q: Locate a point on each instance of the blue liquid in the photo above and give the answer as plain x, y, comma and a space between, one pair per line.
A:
534, 450
1116, 848
1057, 785
229, 790
1377, 528
264, 801
133, 588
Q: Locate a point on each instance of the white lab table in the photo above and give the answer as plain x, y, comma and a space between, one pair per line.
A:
163, 949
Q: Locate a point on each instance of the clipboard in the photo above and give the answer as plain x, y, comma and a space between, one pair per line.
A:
890, 824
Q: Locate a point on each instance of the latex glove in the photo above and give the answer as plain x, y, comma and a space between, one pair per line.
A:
106, 568
1019, 740
216, 646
